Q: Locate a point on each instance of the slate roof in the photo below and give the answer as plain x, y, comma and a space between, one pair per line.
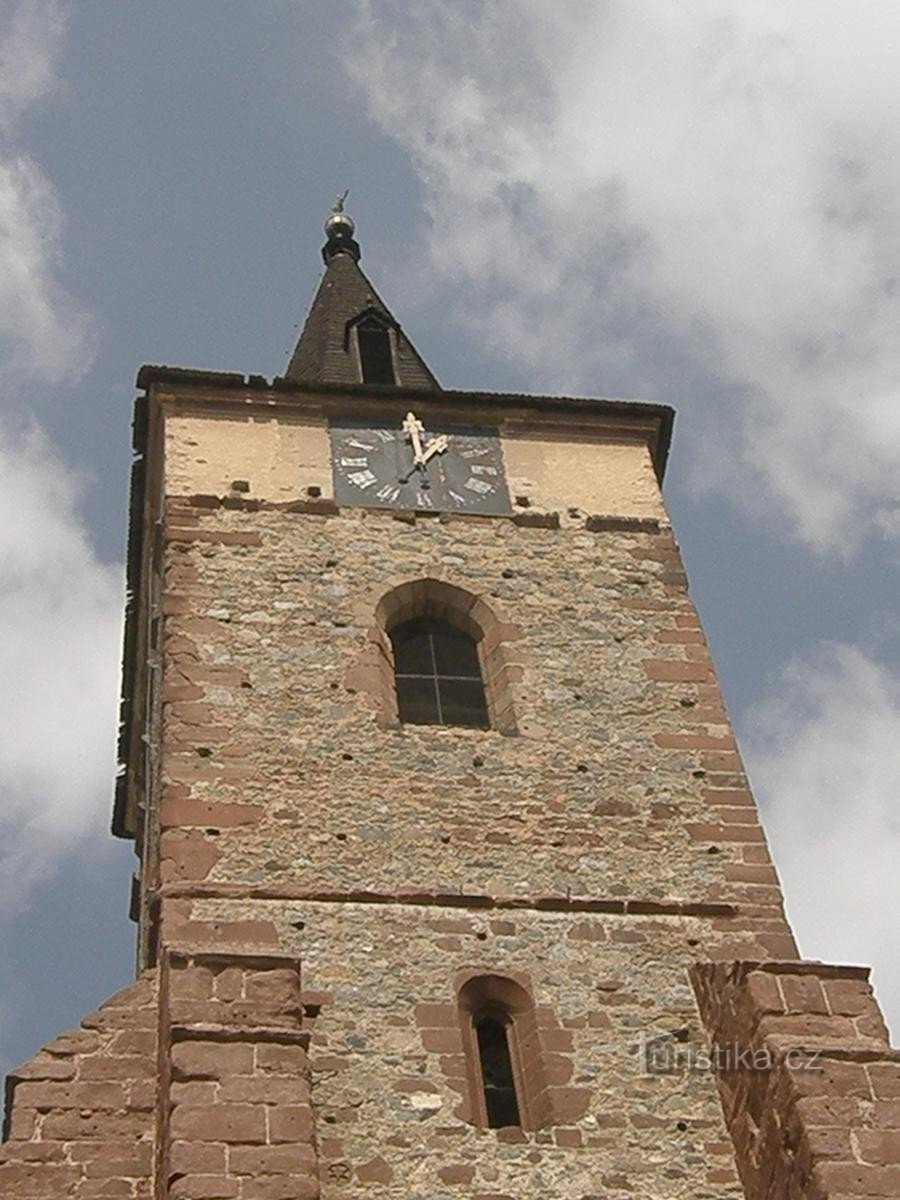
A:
323, 353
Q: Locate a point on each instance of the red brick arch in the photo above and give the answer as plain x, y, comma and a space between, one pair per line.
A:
464, 611
504, 996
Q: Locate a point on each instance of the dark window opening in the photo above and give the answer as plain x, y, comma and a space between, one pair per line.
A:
497, 1079
375, 354
438, 675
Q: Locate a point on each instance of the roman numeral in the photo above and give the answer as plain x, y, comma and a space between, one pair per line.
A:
423, 500
362, 479
481, 486
354, 462
359, 445
389, 492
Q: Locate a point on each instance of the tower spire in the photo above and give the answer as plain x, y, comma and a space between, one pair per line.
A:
350, 334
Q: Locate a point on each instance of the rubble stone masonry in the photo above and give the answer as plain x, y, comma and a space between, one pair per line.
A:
583, 854
596, 858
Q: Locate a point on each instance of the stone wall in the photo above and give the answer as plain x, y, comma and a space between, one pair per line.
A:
81, 1115
598, 852
813, 1104
193, 1084
582, 854
390, 1081
624, 781
235, 1115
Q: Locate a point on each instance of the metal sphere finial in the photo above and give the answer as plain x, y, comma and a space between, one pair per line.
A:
340, 223
339, 230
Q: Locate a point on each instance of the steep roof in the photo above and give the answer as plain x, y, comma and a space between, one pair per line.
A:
325, 351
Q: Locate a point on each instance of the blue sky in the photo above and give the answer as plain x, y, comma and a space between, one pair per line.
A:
692, 204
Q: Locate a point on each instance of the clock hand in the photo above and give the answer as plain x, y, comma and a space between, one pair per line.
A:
437, 445
414, 427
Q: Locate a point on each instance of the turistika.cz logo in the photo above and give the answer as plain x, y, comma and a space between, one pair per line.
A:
661, 1054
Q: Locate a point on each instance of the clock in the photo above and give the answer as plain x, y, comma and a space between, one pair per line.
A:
404, 465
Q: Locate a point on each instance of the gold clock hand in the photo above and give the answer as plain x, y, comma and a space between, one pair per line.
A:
414, 427
436, 446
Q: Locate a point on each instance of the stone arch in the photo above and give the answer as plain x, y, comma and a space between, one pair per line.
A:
464, 611
507, 1002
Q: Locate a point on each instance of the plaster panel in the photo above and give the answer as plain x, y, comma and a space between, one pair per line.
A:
279, 458
609, 478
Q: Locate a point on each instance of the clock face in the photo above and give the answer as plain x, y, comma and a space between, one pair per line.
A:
408, 466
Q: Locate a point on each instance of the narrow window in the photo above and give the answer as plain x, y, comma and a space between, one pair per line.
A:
438, 675
375, 353
500, 1101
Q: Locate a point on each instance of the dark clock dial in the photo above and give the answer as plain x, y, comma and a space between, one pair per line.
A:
409, 466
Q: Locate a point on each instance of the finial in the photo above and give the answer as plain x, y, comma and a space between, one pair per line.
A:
339, 229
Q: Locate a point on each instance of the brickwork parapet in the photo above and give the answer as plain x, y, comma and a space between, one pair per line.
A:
813, 1107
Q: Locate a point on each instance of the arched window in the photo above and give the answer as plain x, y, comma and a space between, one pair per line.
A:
438, 674
501, 1104
437, 654
375, 357
503, 1055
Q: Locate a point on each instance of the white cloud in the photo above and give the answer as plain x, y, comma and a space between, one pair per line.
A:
60, 636
44, 334
653, 192
60, 608
824, 756
31, 34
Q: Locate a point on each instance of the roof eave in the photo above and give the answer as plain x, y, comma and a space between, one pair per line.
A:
612, 406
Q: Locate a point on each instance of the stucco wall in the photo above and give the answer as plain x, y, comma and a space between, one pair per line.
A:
593, 476
281, 455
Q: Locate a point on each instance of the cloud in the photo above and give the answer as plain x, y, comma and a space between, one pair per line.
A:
60, 607
698, 201
31, 35
824, 756
44, 333
60, 636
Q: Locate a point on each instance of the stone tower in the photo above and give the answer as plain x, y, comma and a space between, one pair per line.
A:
450, 882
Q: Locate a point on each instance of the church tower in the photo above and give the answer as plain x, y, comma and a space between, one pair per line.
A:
450, 882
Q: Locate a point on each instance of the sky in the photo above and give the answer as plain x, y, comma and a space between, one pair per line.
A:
692, 204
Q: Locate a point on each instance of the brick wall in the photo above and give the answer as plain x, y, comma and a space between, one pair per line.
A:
237, 1123
81, 1114
813, 1106
195, 1089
